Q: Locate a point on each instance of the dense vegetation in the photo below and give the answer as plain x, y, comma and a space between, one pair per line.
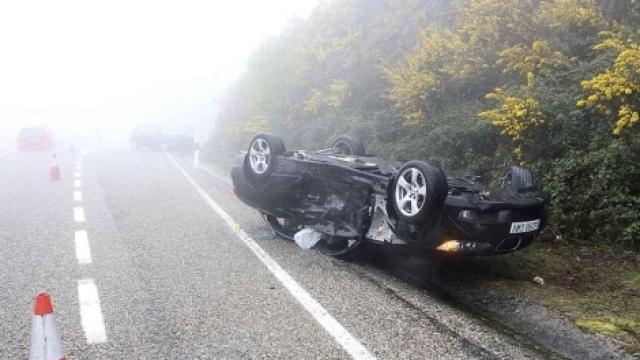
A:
474, 85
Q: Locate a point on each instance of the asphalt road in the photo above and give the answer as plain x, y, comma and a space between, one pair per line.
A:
183, 270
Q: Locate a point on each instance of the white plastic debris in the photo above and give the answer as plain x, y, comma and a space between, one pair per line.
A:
307, 238
538, 280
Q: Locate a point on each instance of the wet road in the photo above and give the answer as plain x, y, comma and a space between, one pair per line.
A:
148, 257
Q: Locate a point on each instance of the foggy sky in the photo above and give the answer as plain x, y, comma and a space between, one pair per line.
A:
121, 62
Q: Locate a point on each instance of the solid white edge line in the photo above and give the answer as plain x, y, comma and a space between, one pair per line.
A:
91, 312
83, 250
7, 152
78, 214
77, 195
348, 342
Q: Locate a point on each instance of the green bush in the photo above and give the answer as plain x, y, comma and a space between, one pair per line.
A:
596, 194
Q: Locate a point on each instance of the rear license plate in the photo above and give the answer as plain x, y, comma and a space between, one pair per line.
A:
524, 226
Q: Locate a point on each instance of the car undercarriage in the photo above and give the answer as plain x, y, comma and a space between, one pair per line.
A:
351, 199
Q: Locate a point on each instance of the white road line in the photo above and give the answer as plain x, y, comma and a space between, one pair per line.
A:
77, 195
77, 183
83, 251
78, 214
7, 152
91, 312
78, 174
348, 342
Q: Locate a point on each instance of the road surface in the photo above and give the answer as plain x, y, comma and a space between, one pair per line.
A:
148, 257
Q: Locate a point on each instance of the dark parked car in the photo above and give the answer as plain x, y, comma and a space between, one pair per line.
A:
351, 199
156, 138
36, 138
178, 140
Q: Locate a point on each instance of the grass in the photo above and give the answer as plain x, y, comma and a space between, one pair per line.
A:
598, 288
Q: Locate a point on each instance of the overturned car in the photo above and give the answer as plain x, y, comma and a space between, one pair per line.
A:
350, 199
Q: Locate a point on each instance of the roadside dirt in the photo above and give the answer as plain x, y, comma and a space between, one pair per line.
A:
588, 310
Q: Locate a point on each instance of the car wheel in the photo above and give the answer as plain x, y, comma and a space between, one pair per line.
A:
419, 193
348, 145
517, 179
282, 227
341, 247
263, 154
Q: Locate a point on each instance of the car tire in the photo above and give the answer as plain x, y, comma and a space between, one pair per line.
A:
348, 145
418, 193
262, 156
281, 226
517, 179
342, 248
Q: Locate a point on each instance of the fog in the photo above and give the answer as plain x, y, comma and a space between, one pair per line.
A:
106, 66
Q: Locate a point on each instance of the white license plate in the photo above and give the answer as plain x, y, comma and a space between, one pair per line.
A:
525, 226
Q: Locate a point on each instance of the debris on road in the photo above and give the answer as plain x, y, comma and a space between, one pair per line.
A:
538, 280
307, 238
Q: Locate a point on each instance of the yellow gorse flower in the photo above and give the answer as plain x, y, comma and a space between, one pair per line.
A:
616, 89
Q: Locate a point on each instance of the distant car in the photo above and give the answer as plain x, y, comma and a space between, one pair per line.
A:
351, 199
36, 138
178, 140
147, 137
157, 138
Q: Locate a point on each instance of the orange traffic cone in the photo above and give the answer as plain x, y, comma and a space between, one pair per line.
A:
54, 173
45, 341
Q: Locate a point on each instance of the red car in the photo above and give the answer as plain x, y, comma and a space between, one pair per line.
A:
36, 138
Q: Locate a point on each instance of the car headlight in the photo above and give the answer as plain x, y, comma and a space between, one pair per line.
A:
450, 246
467, 215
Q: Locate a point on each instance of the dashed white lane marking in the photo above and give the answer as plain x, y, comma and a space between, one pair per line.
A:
78, 214
77, 195
348, 342
83, 251
7, 152
78, 174
77, 183
91, 312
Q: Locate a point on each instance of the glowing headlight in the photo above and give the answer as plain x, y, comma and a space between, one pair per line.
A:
450, 246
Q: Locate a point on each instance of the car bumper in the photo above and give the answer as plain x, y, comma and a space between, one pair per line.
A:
489, 232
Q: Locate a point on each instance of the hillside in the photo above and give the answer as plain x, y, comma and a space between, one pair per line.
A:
472, 85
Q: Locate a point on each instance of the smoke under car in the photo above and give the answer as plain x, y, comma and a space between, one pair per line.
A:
352, 199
